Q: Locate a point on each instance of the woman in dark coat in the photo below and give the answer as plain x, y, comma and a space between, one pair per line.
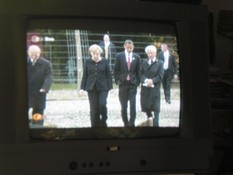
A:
97, 81
151, 77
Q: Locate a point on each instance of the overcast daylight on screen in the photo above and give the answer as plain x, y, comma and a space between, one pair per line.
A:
67, 51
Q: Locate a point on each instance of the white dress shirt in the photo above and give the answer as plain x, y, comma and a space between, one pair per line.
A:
128, 56
166, 59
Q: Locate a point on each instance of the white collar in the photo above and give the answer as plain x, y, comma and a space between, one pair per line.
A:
106, 44
127, 54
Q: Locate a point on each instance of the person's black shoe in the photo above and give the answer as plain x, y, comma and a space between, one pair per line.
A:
131, 124
104, 124
126, 124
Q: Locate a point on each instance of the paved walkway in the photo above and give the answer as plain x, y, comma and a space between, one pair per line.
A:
67, 109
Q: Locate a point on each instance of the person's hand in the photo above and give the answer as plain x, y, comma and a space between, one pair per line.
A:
149, 82
42, 90
111, 91
175, 76
81, 91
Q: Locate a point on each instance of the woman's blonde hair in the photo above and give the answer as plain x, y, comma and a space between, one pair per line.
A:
94, 48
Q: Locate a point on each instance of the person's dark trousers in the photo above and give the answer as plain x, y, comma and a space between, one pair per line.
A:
156, 117
127, 92
166, 82
148, 113
103, 107
98, 106
37, 102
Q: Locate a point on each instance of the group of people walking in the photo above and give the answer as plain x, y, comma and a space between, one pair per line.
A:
129, 72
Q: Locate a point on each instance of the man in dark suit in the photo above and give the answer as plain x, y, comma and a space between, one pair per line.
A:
39, 81
170, 70
127, 76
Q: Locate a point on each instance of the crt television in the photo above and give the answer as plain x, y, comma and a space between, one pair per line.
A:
183, 146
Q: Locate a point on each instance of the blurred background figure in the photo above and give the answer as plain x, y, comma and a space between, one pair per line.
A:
170, 70
109, 51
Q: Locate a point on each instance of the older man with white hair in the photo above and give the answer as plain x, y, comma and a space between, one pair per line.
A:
39, 82
151, 78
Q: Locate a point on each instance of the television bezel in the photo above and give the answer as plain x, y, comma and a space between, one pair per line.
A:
189, 151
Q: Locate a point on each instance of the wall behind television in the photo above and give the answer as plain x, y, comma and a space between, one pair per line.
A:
223, 46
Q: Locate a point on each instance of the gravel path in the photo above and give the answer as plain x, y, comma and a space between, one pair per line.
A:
67, 109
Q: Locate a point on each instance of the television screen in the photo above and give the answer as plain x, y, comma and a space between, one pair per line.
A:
66, 48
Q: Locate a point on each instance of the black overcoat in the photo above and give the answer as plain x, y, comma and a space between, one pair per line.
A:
96, 74
39, 76
150, 96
